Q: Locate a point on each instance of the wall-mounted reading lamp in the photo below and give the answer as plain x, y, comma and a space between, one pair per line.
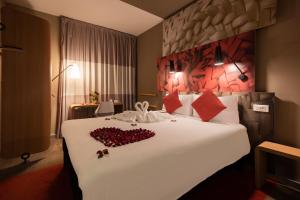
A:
220, 61
218, 56
171, 66
179, 66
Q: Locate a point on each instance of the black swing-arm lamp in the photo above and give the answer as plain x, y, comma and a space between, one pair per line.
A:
243, 77
220, 61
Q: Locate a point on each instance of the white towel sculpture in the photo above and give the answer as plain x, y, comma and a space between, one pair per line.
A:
142, 115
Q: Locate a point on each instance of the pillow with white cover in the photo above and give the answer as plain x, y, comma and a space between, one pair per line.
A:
186, 108
230, 115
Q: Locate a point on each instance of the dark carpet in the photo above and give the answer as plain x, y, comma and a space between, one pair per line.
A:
53, 183
48, 183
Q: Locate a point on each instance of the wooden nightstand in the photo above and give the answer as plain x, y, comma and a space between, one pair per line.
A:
261, 152
87, 110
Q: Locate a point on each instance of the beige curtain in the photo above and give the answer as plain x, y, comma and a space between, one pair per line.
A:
107, 62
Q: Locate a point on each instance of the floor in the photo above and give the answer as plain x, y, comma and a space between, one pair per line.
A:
44, 177
15, 166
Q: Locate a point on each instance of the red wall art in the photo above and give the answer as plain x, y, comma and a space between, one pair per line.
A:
197, 72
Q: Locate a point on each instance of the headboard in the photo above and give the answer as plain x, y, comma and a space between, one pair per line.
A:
260, 125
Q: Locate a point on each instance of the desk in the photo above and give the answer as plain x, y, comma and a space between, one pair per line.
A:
87, 110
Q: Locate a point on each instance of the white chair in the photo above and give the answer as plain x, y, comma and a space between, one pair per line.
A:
105, 108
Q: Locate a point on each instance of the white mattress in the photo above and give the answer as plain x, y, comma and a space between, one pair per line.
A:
166, 166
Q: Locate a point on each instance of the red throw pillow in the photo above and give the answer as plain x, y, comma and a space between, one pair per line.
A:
208, 106
172, 102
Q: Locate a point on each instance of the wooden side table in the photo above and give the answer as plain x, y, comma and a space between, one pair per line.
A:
272, 148
87, 110
80, 111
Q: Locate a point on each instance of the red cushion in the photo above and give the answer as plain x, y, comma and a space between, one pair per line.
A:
208, 106
172, 102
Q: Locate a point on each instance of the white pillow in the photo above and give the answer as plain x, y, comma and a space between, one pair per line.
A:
230, 115
195, 97
186, 108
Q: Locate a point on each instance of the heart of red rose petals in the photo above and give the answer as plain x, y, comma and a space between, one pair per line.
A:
113, 137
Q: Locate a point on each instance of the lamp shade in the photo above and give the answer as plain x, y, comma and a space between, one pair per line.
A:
179, 66
172, 66
74, 72
218, 56
243, 77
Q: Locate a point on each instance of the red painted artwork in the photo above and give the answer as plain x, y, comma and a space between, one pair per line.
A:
198, 72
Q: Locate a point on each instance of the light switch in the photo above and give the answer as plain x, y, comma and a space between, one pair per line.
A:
260, 108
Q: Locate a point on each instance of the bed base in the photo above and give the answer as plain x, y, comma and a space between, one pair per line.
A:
77, 193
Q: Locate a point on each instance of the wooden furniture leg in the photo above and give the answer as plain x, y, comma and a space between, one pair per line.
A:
260, 167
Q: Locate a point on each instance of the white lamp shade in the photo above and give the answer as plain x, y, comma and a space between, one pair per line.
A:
74, 72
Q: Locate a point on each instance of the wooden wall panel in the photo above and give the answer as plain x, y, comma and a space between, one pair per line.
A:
25, 84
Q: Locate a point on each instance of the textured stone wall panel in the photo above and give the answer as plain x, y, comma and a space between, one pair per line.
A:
206, 21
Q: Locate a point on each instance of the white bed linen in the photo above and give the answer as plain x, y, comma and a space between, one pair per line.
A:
166, 166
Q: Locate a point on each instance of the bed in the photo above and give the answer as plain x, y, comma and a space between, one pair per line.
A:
183, 153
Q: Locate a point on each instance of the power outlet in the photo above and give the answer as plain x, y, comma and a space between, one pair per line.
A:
260, 108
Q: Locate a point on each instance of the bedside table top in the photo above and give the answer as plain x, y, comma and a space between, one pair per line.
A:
279, 149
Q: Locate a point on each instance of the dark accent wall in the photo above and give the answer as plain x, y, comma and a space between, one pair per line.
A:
149, 50
278, 69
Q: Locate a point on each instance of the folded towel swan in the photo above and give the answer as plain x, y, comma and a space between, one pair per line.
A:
142, 115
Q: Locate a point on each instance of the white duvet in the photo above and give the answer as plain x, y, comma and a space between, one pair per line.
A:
166, 166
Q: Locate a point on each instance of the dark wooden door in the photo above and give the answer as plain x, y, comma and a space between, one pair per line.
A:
25, 116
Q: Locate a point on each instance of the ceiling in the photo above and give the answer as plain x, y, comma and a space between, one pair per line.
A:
114, 14
161, 8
